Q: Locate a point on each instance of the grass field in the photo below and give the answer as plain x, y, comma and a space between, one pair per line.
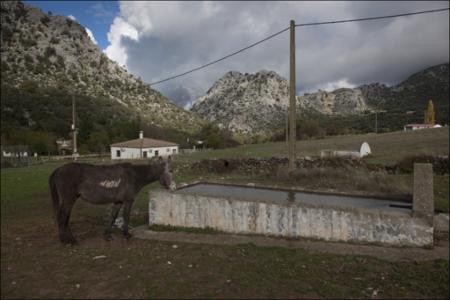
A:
35, 265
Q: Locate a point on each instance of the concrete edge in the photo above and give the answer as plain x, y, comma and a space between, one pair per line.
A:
393, 254
378, 195
371, 211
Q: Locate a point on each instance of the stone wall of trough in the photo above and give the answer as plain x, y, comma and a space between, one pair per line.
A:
331, 223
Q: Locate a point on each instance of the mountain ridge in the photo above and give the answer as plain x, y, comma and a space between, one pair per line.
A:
254, 104
56, 52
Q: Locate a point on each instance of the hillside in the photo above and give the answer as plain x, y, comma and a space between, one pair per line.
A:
45, 57
255, 104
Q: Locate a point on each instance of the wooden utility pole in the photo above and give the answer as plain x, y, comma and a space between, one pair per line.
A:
74, 130
292, 133
287, 129
376, 122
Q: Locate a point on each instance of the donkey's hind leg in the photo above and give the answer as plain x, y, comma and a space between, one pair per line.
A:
115, 211
126, 218
65, 233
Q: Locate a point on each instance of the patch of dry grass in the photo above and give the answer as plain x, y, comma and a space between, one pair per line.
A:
344, 179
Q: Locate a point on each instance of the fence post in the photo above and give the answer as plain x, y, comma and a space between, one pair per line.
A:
423, 202
292, 133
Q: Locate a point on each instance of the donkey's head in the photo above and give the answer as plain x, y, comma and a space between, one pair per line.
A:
166, 176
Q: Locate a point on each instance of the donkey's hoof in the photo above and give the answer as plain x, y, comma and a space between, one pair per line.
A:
128, 235
107, 237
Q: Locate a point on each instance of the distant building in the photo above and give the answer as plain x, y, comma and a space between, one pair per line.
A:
142, 148
420, 126
14, 151
63, 146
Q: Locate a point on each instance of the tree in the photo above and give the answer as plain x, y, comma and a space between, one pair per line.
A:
430, 114
98, 141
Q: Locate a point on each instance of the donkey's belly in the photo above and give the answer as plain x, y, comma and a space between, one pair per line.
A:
102, 195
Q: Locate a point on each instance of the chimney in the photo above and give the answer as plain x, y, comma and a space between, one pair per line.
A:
141, 134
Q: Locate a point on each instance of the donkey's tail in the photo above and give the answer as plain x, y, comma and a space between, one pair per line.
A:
54, 194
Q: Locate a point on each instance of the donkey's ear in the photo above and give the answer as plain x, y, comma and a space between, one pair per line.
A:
160, 158
169, 159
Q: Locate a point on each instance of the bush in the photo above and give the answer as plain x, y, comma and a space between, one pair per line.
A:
7, 33
49, 51
28, 43
5, 66
29, 58
54, 40
440, 164
45, 20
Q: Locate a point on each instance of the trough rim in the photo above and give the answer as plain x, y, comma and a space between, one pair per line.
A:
379, 196
393, 212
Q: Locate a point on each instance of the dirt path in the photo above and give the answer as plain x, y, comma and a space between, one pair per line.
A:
395, 254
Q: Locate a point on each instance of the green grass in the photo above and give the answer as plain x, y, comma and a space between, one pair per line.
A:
387, 148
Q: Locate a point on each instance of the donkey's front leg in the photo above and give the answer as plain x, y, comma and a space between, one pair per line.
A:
114, 212
126, 218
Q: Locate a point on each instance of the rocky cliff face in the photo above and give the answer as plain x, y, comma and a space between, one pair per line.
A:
254, 104
55, 51
342, 101
245, 103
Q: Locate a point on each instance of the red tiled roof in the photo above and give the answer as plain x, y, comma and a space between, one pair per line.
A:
144, 143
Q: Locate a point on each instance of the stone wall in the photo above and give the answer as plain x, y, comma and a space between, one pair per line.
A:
331, 223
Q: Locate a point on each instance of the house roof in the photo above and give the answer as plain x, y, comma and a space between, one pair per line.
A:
144, 143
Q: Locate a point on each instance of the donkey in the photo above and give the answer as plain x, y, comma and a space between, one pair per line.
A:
117, 184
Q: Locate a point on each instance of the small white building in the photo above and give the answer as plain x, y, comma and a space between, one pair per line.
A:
142, 148
420, 126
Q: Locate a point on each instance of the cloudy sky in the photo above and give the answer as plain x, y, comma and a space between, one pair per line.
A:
156, 40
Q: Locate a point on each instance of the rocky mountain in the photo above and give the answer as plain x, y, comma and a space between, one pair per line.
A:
47, 52
254, 104
245, 103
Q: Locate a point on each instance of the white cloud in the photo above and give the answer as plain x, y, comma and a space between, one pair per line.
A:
331, 86
91, 35
71, 17
120, 29
160, 39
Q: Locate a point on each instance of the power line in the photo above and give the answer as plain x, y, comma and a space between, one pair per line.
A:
373, 18
225, 57
298, 25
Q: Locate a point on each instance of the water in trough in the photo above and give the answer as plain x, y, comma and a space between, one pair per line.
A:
276, 195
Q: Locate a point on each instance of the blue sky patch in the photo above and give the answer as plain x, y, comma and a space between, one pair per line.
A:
95, 15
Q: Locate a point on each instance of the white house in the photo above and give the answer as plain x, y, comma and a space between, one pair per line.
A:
142, 148
420, 126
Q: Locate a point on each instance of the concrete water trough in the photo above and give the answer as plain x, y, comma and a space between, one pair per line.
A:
293, 213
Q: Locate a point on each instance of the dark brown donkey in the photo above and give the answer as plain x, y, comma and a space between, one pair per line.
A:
118, 184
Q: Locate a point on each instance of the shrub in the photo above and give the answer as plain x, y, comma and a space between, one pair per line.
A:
49, 51
45, 20
7, 33
440, 164
5, 66
28, 43
54, 40
29, 58
60, 61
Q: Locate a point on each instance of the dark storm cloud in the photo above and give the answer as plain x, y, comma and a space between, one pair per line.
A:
159, 39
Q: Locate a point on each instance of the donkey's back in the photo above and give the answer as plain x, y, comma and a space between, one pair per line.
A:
95, 184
